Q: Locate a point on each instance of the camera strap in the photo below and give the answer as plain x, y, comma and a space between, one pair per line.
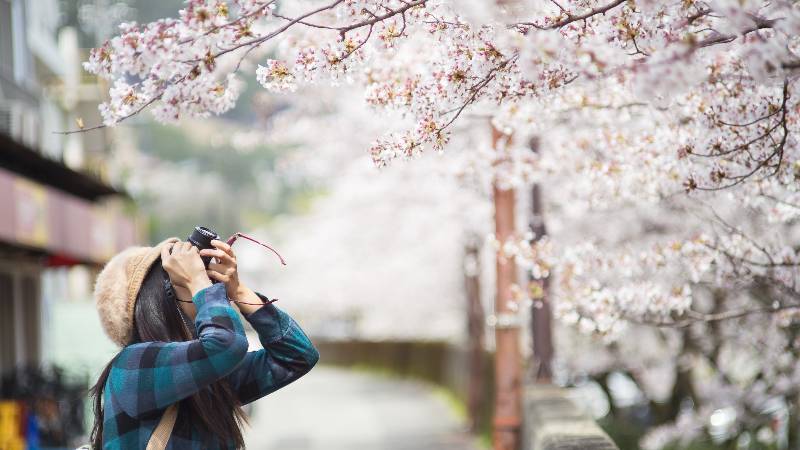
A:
233, 238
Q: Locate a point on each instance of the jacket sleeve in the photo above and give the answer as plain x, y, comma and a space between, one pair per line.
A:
287, 355
150, 376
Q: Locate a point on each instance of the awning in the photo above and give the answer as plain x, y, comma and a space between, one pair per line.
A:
17, 158
63, 226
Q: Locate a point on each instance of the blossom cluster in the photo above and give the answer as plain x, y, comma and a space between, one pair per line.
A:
171, 65
668, 135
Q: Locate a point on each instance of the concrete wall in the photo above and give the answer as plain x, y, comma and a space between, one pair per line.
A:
553, 422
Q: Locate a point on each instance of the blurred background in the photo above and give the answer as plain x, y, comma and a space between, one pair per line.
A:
388, 271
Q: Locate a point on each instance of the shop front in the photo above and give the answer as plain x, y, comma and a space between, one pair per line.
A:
47, 232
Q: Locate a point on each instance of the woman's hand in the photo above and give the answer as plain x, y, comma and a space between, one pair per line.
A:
184, 266
223, 267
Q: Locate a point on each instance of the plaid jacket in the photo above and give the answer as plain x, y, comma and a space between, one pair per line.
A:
147, 377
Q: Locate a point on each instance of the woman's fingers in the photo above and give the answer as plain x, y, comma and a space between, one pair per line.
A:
221, 255
214, 275
222, 268
227, 252
179, 247
165, 249
223, 246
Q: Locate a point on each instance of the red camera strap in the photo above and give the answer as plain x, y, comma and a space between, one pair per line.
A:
233, 238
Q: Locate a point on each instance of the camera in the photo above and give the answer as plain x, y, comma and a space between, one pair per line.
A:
201, 238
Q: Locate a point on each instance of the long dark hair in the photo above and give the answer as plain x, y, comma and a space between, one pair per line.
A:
158, 318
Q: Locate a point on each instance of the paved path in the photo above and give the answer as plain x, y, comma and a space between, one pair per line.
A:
337, 409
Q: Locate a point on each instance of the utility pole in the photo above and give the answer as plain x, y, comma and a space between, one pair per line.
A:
507, 360
541, 316
476, 322
508, 364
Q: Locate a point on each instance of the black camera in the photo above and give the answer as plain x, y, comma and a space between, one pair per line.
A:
201, 238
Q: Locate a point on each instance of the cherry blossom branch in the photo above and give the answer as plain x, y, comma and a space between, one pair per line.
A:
570, 17
778, 150
699, 14
720, 38
407, 6
366, 23
127, 116
476, 89
734, 230
791, 65
260, 40
735, 314
747, 124
779, 201
236, 21
693, 316
204, 65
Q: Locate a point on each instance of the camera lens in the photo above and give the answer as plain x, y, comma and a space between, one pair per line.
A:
201, 238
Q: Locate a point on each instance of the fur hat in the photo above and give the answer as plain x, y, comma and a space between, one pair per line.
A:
118, 285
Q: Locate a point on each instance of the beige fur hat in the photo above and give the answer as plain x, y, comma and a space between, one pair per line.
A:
118, 285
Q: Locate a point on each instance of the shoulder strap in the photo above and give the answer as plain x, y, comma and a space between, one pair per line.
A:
160, 437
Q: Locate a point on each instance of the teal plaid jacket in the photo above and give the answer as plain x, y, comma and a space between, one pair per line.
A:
147, 377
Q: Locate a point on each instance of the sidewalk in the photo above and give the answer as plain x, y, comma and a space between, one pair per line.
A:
338, 409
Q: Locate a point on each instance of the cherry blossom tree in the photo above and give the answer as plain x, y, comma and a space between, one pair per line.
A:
377, 256
670, 147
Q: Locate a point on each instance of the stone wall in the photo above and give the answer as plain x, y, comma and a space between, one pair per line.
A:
553, 422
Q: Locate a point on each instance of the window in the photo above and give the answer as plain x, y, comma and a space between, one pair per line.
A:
6, 38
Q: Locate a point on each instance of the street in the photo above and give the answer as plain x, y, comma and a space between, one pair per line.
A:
336, 409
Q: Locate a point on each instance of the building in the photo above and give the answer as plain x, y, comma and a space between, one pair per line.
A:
58, 210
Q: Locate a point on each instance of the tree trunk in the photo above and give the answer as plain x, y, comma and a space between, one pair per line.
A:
507, 356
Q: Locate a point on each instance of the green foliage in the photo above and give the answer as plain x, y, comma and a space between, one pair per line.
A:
622, 432
235, 190
302, 202
152, 10
237, 169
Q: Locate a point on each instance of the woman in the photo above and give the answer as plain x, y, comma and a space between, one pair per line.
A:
184, 372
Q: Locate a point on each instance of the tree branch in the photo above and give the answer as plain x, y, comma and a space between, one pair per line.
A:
570, 18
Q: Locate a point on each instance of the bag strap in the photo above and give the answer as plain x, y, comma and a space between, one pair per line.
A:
160, 437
